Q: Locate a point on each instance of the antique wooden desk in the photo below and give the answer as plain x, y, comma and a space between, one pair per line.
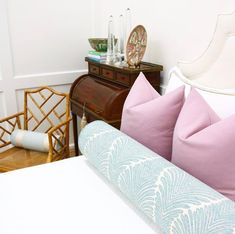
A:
104, 90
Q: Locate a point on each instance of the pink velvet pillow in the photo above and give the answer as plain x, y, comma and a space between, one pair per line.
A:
204, 145
150, 118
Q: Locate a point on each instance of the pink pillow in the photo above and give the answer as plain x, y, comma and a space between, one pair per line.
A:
150, 118
204, 145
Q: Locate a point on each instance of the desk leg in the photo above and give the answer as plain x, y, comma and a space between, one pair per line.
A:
75, 133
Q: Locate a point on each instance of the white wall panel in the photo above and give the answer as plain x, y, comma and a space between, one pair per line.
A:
42, 43
0, 75
48, 36
2, 104
2, 109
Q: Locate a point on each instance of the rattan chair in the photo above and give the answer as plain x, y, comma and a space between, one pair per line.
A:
45, 110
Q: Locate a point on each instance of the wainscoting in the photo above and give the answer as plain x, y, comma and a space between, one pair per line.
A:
41, 43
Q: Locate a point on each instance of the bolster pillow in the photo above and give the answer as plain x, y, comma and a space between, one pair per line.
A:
30, 140
171, 198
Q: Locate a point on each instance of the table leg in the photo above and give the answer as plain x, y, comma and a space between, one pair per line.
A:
75, 133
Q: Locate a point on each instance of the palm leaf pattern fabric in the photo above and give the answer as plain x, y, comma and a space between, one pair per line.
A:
171, 198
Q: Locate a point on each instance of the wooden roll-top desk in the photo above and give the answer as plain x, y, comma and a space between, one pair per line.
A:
104, 90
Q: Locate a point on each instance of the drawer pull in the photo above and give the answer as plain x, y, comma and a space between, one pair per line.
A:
108, 74
123, 79
94, 69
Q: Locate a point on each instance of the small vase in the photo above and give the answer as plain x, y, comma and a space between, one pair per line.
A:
111, 42
128, 27
120, 40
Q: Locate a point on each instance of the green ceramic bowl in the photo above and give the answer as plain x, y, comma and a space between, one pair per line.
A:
99, 44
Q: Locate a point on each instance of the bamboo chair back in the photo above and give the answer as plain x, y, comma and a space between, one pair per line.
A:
44, 108
7, 126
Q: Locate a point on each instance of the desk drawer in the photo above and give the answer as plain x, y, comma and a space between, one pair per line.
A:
108, 74
123, 78
93, 69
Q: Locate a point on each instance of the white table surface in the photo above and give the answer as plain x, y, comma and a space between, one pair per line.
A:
68, 197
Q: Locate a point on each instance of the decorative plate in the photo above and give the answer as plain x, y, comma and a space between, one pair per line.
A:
136, 46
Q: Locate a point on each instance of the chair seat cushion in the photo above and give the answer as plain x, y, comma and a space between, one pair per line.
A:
16, 158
